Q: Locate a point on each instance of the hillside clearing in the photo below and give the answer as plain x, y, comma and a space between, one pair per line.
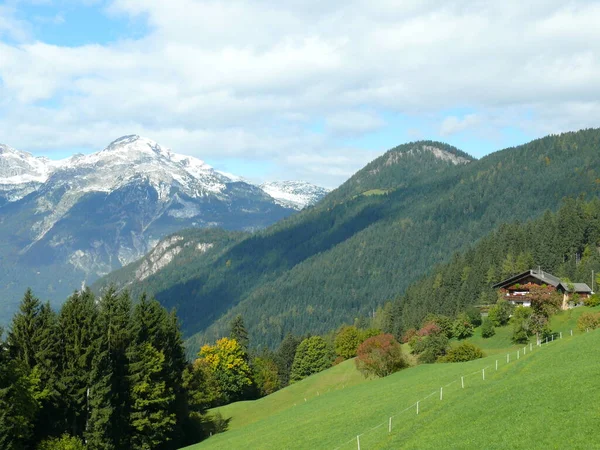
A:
545, 399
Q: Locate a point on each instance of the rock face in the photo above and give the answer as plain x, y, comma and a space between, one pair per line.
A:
294, 194
64, 222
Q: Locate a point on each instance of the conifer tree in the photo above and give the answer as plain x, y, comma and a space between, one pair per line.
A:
17, 406
77, 325
24, 331
239, 333
175, 365
151, 419
156, 337
109, 391
284, 357
45, 375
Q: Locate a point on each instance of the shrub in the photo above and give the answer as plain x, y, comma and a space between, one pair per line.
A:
338, 360
407, 337
347, 341
380, 356
266, 376
445, 323
499, 314
588, 320
65, 442
429, 328
487, 329
464, 352
592, 301
368, 333
433, 347
522, 326
474, 316
312, 355
462, 327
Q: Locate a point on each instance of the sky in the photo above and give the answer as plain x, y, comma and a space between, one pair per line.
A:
295, 89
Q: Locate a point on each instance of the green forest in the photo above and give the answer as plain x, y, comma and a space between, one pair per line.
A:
100, 372
109, 372
565, 244
370, 239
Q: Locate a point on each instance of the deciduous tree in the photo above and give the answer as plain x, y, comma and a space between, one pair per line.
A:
380, 356
312, 356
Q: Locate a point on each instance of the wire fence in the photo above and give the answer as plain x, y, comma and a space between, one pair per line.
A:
416, 407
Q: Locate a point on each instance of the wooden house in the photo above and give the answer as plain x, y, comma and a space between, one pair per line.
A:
516, 288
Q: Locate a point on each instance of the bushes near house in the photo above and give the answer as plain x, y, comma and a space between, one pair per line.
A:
588, 321
592, 301
487, 329
380, 356
462, 327
464, 352
499, 314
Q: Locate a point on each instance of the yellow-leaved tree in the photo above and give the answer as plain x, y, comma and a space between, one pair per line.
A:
228, 362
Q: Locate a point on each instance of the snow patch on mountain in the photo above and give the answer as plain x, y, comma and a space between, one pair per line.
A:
294, 194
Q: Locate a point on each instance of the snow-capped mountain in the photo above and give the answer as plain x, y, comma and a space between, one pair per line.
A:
73, 220
21, 173
294, 194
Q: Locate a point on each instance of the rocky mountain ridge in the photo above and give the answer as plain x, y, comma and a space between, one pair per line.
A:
70, 221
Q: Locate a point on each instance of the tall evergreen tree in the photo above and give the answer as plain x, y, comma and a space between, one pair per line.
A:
175, 365
156, 337
151, 419
239, 333
284, 357
109, 389
78, 327
45, 375
24, 331
17, 406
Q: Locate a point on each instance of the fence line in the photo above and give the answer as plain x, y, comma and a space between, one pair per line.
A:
461, 379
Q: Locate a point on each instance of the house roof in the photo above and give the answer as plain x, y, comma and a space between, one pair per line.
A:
544, 277
577, 287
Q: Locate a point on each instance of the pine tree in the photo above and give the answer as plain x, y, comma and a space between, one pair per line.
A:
152, 325
175, 365
99, 433
24, 331
147, 322
77, 325
151, 420
284, 357
45, 375
239, 333
109, 390
33, 345
18, 408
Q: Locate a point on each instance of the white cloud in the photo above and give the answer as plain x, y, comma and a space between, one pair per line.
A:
11, 27
452, 124
354, 122
245, 79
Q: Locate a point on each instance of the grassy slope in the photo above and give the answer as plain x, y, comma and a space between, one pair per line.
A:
543, 400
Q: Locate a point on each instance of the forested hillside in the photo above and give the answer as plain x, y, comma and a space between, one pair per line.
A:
366, 242
565, 244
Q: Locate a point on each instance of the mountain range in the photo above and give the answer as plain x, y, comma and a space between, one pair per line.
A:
367, 241
70, 221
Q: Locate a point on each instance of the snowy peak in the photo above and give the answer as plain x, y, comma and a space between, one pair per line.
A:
294, 194
18, 167
130, 159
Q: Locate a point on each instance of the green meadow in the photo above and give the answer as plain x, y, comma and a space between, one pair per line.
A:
547, 398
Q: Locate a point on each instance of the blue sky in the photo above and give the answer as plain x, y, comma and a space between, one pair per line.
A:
294, 90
